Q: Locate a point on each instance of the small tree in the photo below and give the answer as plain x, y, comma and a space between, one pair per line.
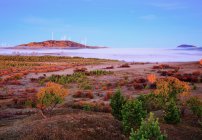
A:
149, 129
117, 101
49, 96
172, 113
132, 114
195, 105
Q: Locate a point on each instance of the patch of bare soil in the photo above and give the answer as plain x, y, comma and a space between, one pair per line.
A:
72, 125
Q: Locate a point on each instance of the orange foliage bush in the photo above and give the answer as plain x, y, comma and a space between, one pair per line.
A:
49, 96
104, 87
172, 87
151, 78
200, 62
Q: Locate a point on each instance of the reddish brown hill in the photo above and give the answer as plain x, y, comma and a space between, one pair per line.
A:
55, 44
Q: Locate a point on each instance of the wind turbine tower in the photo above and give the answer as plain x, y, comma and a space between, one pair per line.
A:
52, 35
85, 42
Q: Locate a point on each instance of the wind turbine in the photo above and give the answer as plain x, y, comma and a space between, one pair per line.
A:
69, 38
65, 37
52, 35
85, 41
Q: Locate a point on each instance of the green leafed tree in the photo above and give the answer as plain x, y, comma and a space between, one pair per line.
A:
172, 113
149, 130
117, 101
132, 114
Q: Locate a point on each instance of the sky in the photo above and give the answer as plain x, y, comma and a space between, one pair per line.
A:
110, 23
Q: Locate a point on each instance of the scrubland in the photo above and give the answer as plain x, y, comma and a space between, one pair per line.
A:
48, 97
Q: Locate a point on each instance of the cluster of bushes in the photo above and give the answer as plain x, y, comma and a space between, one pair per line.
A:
132, 114
65, 79
92, 106
126, 65
195, 104
81, 94
85, 85
170, 96
49, 59
165, 66
18, 73
100, 72
195, 77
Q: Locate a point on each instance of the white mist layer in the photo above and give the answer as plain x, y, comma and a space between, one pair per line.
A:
123, 54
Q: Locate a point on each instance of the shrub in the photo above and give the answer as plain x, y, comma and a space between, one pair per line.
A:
132, 114
126, 65
87, 107
108, 95
171, 88
92, 106
82, 69
195, 105
149, 129
172, 113
30, 103
49, 96
89, 95
151, 102
65, 79
138, 86
151, 78
100, 72
200, 62
117, 101
85, 86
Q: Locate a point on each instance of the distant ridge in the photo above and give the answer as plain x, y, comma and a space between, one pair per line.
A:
187, 46
56, 44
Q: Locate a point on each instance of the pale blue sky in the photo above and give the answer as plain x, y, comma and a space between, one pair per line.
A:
112, 23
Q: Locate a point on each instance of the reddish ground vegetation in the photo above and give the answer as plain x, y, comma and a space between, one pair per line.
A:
196, 73
81, 69
165, 66
110, 67
140, 80
12, 82
108, 95
83, 94
75, 124
138, 86
188, 77
93, 106
30, 90
126, 65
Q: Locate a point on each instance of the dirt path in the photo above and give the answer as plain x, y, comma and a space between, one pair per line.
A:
138, 67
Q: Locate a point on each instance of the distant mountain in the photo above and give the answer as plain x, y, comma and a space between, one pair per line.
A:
186, 46
55, 44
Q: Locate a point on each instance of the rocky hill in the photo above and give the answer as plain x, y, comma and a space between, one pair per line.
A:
56, 44
186, 46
